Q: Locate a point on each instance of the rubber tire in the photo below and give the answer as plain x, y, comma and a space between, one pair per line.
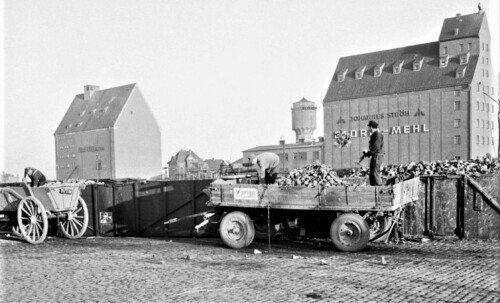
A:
84, 222
41, 219
245, 232
355, 223
260, 226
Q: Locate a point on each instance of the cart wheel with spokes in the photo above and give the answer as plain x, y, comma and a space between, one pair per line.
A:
237, 230
74, 225
350, 232
32, 220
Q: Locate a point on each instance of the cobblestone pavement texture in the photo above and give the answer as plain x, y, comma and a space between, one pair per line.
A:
204, 270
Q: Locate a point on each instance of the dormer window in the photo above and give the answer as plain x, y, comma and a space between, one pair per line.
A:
378, 70
443, 61
396, 68
341, 75
464, 58
460, 72
417, 64
359, 72
455, 31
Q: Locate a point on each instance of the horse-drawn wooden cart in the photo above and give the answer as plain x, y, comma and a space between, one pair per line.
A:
350, 216
26, 211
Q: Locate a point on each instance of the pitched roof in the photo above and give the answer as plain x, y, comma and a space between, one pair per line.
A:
467, 25
303, 101
182, 155
430, 76
100, 111
214, 164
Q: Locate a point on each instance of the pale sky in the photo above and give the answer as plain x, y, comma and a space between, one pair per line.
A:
220, 76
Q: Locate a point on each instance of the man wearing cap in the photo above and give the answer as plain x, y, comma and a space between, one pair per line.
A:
376, 152
36, 176
268, 166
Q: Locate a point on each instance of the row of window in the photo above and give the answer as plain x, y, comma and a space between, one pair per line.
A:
457, 140
67, 156
488, 123
301, 156
487, 107
66, 146
465, 47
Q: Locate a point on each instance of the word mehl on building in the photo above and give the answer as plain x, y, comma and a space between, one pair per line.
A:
432, 101
108, 134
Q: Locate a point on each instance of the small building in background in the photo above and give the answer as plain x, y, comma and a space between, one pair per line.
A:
108, 134
185, 165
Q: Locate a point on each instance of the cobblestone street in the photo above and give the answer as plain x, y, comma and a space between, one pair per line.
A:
203, 270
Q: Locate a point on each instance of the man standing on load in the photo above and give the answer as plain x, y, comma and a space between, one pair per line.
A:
376, 152
268, 166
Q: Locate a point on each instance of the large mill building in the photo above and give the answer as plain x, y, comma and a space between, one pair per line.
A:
108, 134
433, 101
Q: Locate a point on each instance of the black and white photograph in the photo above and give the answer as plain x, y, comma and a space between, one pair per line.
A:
250, 151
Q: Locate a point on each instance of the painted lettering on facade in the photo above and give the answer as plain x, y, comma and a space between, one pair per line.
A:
90, 149
401, 113
394, 130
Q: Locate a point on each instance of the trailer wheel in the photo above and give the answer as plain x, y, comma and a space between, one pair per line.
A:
237, 229
32, 220
74, 225
350, 232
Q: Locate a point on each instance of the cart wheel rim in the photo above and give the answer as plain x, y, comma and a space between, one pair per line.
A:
32, 220
349, 233
76, 221
235, 230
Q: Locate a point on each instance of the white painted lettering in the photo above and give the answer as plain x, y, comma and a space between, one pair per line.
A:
362, 133
416, 128
395, 130
424, 128
406, 129
354, 133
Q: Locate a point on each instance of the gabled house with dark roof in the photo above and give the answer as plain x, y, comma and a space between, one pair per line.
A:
433, 101
184, 165
108, 134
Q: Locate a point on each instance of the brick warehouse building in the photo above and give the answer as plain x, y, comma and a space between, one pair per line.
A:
433, 101
108, 134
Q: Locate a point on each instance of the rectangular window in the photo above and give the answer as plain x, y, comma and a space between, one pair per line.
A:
300, 156
487, 61
456, 105
483, 59
461, 47
483, 123
483, 140
477, 123
457, 93
487, 140
456, 140
478, 105
487, 108
483, 45
477, 140
456, 123
488, 124
445, 50
487, 47
483, 106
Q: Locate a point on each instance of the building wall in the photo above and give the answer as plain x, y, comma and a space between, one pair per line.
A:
417, 126
77, 155
137, 141
294, 156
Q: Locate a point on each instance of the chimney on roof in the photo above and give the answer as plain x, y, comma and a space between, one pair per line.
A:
455, 32
458, 16
89, 90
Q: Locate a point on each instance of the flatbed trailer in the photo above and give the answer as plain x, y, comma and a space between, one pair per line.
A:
350, 216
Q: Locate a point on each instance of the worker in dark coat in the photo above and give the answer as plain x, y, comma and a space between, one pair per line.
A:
268, 164
36, 176
376, 152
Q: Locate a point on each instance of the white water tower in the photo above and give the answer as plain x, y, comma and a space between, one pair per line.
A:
304, 120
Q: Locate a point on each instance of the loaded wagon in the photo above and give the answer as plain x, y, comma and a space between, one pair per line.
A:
350, 216
25, 211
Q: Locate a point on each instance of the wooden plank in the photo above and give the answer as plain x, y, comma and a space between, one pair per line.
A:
490, 200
